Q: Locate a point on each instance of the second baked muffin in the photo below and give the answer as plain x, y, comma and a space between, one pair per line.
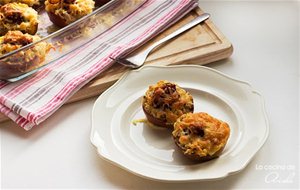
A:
18, 16
164, 102
200, 136
64, 12
22, 61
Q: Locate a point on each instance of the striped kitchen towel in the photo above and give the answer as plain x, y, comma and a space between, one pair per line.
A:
32, 100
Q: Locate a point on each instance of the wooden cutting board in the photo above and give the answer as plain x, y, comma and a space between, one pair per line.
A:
200, 45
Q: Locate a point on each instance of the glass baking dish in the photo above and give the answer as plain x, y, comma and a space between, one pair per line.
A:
15, 65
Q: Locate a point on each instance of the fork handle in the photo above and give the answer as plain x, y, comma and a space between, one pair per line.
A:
187, 26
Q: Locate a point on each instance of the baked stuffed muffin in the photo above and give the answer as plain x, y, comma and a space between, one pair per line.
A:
64, 12
164, 102
18, 16
200, 136
25, 60
31, 3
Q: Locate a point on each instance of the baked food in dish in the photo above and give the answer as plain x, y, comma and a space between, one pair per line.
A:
18, 16
200, 136
25, 60
64, 12
164, 102
30, 3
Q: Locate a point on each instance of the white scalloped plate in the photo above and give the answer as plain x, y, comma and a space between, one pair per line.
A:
151, 152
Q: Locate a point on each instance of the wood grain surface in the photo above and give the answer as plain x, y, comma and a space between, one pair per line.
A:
200, 45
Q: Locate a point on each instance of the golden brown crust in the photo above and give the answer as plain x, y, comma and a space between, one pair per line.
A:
18, 16
197, 157
164, 102
200, 136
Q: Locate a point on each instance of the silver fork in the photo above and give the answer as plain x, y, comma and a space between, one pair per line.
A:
137, 60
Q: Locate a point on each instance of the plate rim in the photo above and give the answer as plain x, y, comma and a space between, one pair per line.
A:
225, 174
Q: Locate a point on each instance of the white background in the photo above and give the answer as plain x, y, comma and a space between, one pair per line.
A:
265, 35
